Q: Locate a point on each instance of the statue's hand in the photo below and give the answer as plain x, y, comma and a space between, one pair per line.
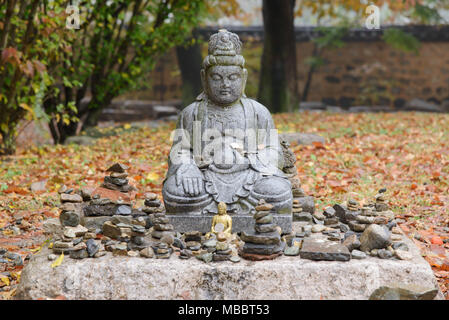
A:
191, 179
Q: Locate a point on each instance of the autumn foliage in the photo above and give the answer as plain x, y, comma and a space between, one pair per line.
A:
407, 153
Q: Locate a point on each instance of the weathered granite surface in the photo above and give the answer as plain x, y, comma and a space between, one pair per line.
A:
185, 223
283, 278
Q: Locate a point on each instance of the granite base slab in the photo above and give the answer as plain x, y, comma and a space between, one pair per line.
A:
291, 278
185, 223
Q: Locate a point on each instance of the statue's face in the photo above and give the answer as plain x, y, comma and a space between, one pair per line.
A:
224, 84
221, 208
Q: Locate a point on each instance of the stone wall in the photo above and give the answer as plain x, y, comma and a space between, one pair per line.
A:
374, 73
363, 72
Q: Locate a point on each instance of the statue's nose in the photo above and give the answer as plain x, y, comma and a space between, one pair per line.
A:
226, 83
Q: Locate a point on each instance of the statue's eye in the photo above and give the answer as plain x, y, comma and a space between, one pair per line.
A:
233, 76
215, 77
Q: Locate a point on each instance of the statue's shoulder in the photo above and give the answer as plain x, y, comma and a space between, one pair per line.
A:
188, 112
190, 109
258, 107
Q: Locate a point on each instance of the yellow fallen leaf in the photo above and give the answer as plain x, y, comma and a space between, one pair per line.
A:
15, 275
8, 232
50, 246
5, 280
58, 261
127, 126
152, 176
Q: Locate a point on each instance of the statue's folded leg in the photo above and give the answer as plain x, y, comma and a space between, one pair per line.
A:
177, 201
274, 190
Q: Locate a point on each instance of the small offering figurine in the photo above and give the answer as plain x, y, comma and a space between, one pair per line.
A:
222, 222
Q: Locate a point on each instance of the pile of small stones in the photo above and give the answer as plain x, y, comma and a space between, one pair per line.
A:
163, 251
10, 259
71, 207
161, 225
152, 204
118, 179
367, 230
222, 249
303, 205
97, 205
78, 243
340, 232
265, 241
215, 248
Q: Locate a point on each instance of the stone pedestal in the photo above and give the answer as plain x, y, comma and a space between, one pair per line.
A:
185, 223
289, 278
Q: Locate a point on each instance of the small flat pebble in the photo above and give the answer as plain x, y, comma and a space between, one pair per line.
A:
235, 259
356, 254
318, 228
52, 257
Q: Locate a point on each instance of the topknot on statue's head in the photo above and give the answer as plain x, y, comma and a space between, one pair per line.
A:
224, 43
224, 49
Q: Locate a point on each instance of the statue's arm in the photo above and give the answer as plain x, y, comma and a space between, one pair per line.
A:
181, 162
214, 220
229, 227
181, 151
273, 150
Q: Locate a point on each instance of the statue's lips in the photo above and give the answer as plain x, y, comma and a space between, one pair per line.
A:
225, 92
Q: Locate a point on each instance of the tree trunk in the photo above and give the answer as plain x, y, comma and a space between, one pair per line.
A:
305, 92
189, 61
278, 89
8, 144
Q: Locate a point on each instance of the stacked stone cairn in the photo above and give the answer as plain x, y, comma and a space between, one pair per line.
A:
303, 205
70, 237
163, 250
71, 207
125, 235
217, 248
265, 242
78, 243
193, 245
137, 235
118, 179
112, 199
152, 204
161, 225
222, 251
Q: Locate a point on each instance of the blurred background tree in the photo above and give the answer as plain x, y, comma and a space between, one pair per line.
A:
60, 75
33, 42
119, 41
278, 87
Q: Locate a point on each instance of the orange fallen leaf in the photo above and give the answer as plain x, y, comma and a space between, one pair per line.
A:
436, 240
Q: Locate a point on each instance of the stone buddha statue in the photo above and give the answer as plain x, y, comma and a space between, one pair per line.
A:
225, 148
222, 222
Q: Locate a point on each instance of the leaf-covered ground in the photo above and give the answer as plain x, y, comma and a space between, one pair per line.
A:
408, 153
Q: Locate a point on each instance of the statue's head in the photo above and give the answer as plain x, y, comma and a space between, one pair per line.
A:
221, 208
223, 74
